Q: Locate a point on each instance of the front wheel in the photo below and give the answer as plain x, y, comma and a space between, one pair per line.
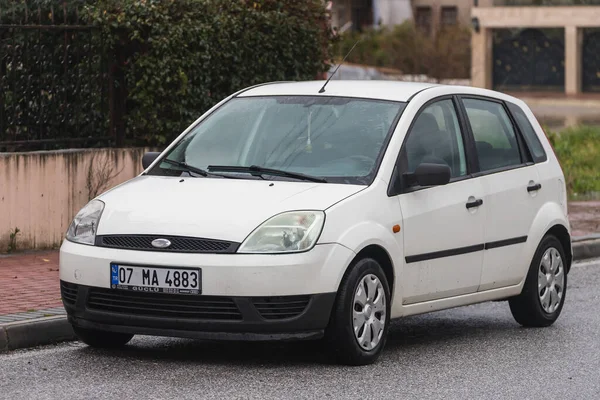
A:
543, 295
102, 339
359, 322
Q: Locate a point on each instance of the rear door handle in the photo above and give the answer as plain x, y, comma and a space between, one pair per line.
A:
474, 203
534, 187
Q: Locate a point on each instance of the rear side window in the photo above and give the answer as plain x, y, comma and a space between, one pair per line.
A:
495, 138
531, 138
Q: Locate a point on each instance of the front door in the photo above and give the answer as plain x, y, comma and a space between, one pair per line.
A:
443, 225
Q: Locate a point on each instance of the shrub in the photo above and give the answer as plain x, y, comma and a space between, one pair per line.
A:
445, 55
578, 150
177, 58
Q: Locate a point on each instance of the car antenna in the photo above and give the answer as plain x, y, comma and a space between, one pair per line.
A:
338, 67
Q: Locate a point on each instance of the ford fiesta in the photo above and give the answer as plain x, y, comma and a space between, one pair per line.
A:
289, 211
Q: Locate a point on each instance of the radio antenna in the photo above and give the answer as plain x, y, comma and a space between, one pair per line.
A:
338, 67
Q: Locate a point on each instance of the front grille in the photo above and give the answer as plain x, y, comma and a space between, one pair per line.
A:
163, 305
179, 244
68, 292
280, 307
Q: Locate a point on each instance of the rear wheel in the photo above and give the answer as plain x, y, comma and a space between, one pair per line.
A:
102, 339
359, 322
543, 295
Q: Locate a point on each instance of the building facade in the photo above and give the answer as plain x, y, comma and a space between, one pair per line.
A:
360, 14
428, 15
536, 45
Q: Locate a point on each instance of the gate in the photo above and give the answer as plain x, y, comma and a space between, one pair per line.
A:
590, 61
528, 60
53, 79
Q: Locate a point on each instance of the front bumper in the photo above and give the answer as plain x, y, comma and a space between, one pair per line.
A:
244, 296
200, 317
319, 270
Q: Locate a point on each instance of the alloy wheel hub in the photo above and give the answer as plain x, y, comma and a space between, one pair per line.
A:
551, 278
369, 312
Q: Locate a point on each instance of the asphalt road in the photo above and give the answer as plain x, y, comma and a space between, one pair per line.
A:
475, 352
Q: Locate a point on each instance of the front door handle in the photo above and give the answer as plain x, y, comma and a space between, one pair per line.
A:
474, 203
534, 187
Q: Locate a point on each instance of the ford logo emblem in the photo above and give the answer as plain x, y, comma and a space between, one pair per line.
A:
161, 243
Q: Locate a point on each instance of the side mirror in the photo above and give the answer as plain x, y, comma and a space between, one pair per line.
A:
149, 158
428, 174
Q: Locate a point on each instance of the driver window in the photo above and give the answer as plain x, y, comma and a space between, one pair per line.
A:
435, 137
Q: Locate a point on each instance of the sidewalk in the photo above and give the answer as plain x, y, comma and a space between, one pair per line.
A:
31, 307
31, 310
584, 217
29, 282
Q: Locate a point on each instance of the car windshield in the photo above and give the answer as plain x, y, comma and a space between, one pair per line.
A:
338, 139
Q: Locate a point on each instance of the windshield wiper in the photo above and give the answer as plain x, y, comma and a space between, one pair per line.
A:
186, 167
256, 170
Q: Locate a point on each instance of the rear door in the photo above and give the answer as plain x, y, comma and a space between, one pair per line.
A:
511, 183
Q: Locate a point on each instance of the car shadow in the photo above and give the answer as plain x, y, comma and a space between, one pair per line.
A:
406, 334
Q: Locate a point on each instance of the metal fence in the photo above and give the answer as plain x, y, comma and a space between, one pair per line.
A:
590, 60
529, 59
54, 78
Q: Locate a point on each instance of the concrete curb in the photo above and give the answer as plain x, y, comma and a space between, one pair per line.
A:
49, 330
35, 332
593, 236
586, 249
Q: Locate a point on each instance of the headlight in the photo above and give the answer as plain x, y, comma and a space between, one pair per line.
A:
85, 225
290, 232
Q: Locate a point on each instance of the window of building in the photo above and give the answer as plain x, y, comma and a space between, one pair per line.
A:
423, 16
449, 16
362, 14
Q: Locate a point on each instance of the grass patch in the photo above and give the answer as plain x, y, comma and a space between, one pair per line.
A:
578, 150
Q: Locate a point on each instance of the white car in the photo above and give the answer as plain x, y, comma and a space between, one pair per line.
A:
289, 211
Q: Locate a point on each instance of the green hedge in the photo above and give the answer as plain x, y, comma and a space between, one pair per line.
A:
180, 57
578, 150
143, 70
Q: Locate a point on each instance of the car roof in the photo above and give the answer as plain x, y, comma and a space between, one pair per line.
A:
382, 90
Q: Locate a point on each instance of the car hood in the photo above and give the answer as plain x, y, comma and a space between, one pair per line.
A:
225, 209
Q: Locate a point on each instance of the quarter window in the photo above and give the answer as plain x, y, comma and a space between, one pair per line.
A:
435, 137
533, 142
495, 138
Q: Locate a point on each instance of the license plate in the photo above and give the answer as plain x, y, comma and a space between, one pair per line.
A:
156, 279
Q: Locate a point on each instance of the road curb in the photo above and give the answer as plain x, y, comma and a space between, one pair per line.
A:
35, 332
586, 249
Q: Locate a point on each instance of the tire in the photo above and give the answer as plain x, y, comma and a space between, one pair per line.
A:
340, 334
102, 339
528, 308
